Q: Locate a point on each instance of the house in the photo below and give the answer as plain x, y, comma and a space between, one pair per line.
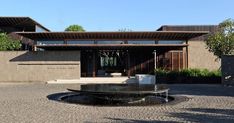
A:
71, 55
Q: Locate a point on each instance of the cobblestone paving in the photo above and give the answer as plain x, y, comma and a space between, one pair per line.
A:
29, 103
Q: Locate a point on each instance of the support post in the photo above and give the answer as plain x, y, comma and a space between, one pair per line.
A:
155, 67
155, 59
34, 46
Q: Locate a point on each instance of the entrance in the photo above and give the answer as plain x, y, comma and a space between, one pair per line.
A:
111, 61
103, 63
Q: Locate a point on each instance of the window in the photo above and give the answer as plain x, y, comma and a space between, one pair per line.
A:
49, 42
39, 29
171, 42
80, 42
141, 42
110, 42
108, 61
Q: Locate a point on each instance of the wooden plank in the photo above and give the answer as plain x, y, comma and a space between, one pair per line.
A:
187, 54
158, 35
113, 45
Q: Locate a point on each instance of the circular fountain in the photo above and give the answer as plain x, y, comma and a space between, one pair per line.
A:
118, 94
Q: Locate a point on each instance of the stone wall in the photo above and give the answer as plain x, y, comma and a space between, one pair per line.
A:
200, 57
228, 69
41, 66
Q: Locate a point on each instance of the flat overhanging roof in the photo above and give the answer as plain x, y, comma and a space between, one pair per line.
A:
147, 35
108, 46
19, 21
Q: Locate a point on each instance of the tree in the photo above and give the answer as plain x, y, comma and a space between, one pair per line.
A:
77, 28
7, 43
222, 41
125, 30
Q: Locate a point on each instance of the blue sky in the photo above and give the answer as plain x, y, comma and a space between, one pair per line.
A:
111, 15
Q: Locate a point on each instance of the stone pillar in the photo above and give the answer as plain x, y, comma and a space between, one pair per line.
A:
227, 67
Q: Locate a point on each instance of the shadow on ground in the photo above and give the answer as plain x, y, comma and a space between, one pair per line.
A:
58, 96
195, 115
201, 90
139, 121
206, 115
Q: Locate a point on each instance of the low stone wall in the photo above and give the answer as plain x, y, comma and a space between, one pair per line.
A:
41, 66
200, 57
228, 69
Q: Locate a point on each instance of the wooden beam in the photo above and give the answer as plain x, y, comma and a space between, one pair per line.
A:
114, 45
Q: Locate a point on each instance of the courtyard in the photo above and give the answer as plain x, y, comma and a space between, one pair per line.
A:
29, 103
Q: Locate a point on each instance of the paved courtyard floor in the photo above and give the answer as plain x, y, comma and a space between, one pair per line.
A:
29, 103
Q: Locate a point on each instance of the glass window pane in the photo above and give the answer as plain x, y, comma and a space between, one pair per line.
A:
110, 42
141, 42
102, 61
80, 42
106, 61
49, 42
115, 61
171, 42
39, 29
111, 62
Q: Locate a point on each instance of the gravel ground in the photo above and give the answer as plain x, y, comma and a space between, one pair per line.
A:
29, 103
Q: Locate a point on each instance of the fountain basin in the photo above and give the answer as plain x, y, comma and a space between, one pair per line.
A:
122, 93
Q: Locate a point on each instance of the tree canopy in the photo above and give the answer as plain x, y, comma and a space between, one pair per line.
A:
125, 30
74, 27
222, 41
7, 43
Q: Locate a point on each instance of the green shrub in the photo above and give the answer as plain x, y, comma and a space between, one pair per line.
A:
161, 72
7, 43
188, 73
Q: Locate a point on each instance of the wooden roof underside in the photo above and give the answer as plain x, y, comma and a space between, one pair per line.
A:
109, 46
19, 22
156, 35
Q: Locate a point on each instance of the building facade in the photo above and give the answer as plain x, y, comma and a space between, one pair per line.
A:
101, 54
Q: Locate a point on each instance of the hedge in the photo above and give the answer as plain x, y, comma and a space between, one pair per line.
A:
188, 73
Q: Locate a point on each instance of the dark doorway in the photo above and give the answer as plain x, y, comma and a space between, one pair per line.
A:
111, 61
87, 66
103, 62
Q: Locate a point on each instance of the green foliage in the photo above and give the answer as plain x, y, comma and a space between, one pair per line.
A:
222, 42
188, 73
161, 72
76, 28
7, 43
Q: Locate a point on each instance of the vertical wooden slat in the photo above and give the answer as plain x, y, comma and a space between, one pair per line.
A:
181, 60
171, 60
178, 60
186, 54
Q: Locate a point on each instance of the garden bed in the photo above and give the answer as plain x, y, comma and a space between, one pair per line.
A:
188, 76
188, 80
